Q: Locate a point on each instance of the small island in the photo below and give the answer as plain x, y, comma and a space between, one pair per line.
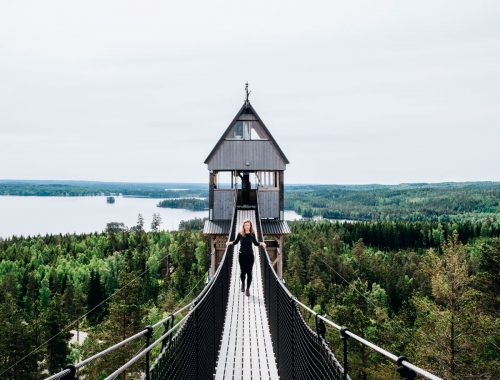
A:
110, 200
194, 204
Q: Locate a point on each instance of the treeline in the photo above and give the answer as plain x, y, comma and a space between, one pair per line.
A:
407, 202
195, 224
441, 202
401, 235
194, 204
119, 280
88, 188
440, 306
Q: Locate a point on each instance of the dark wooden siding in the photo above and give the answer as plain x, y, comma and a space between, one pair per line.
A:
223, 204
216, 227
234, 155
269, 203
275, 227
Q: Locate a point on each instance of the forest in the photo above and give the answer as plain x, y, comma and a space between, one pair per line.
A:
119, 281
403, 285
418, 273
430, 291
89, 188
194, 204
406, 202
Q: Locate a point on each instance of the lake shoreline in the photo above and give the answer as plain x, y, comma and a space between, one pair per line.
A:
28, 215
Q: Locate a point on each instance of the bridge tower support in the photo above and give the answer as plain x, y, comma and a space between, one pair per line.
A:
246, 169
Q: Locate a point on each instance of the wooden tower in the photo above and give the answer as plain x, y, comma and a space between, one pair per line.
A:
246, 168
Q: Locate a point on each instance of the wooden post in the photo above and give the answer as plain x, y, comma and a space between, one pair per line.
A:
211, 186
280, 257
213, 258
282, 194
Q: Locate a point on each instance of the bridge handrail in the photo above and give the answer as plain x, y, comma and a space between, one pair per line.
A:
399, 360
145, 351
195, 303
374, 347
149, 348
131, 338
58, 375
67, 370
299, 350
71, 369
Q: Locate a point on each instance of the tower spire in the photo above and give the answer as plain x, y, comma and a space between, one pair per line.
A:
247, 93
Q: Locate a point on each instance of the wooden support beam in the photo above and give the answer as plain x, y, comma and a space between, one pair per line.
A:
213, 262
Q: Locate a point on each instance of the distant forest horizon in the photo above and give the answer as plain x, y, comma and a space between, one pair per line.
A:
90, 182
438, 202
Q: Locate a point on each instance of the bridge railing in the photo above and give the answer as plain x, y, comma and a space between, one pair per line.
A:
406, 369
189, 347
303, 353
192, 351
193, 343
70, 371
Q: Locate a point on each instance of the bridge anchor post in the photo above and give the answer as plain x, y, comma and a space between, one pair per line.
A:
72, 372
167, 325
343, 334
404, 372
320, 327
148, 336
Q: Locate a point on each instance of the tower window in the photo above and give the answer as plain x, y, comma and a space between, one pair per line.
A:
241, 130
247, 130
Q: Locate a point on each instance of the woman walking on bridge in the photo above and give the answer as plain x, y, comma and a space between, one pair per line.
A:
246, 257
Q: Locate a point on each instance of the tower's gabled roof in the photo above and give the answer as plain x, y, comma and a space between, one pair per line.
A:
247, 109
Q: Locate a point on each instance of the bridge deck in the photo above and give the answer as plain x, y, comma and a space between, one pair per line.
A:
246, 349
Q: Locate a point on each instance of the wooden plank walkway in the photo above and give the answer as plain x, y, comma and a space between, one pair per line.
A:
246, 350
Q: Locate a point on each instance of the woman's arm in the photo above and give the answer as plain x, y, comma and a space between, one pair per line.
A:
234, 242
255, 242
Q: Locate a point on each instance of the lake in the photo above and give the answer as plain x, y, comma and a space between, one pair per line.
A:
33, 215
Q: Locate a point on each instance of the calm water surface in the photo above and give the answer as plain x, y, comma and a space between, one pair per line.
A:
53, 215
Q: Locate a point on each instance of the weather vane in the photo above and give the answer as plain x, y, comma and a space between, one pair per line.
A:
247, 92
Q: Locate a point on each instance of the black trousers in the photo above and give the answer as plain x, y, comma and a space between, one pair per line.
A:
246, 265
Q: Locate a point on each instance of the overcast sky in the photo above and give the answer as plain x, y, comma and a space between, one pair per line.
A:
353, 91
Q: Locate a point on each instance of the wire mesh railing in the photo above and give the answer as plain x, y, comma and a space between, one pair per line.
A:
189, 347
69, 372
303, 353
192, 352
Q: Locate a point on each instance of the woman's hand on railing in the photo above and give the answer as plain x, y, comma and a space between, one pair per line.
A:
228, 243
262, 244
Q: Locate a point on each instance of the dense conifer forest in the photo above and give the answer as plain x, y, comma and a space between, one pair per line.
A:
81, 188
428, 290
418, 273
106, 286
408, 202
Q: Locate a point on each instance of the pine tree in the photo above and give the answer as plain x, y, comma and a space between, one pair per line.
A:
452, 331
57, 335
96, 296
155, 223
125, 319
140, 223
73, 302
364, 312
45, 294
18, 340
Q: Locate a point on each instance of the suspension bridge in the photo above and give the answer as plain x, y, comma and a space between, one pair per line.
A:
222, 333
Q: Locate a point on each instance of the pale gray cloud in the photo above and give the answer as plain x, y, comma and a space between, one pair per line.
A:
354, 92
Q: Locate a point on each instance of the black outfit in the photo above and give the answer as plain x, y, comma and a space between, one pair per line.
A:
246, 257
245, 188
